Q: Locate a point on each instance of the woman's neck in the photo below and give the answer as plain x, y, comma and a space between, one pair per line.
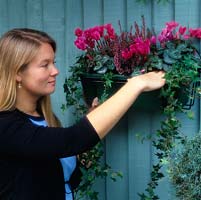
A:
27, 104
28, 108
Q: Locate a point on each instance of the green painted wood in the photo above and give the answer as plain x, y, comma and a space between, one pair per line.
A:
3, 16
92, 16
95, 10
16, 13
73, 19
71, 23
139, 153
123, 151
136, 10
116, 143
116, 156
115, 10
35, 14
163, 190
188, 12
162, 14
53, 23
139, 158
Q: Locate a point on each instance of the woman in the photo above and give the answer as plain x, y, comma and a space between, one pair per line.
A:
37, 155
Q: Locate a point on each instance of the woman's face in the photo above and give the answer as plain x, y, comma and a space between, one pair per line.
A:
39, 77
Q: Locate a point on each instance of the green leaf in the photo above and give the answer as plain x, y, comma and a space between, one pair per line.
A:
102, 70
98, 66
168, 59
174, 54
190, 114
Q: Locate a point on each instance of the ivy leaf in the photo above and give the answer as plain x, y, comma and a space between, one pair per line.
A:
191, 115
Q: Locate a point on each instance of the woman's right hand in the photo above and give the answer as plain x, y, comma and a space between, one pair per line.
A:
150, 81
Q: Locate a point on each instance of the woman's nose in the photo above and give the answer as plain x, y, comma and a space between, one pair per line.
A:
54, 71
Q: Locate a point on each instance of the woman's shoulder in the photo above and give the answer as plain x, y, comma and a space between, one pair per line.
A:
7, 114
13, 116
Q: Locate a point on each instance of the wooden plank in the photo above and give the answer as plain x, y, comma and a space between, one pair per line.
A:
139, 121
115, 10
73, 20
117, 157
95, 10
187, 12
162, 14
3, 16
139, 158
34, 14
53, 15
71, 23
60, 18
16, 14
135, 10
53, 24
93, 16
163, 189
116, 142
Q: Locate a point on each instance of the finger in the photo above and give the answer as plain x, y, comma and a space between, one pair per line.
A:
95, 102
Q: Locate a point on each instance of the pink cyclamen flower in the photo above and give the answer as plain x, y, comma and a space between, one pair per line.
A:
110, 31
80, 43
196, 33
182, 30
78, 32
171, 25
186, 37
95, 35
126, 54
165, 35
142, 46
153, 40
101, 30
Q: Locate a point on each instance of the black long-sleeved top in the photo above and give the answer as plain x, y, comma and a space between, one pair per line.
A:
29, 156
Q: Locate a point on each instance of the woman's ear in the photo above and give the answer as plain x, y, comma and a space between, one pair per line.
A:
18, 77
19, 81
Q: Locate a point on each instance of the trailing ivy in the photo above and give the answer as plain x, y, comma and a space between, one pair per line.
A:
169, 132
92, 165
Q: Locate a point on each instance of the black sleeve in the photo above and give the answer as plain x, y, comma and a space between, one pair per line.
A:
20, 138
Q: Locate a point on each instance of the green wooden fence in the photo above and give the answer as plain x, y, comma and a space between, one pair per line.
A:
59, 18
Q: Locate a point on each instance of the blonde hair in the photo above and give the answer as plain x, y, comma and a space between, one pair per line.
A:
18, 47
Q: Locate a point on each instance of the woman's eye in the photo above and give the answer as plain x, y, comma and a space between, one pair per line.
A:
44, 65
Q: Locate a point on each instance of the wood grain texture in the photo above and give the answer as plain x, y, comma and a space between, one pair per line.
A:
123, 151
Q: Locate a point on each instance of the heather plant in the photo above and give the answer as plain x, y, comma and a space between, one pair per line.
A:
106, 51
